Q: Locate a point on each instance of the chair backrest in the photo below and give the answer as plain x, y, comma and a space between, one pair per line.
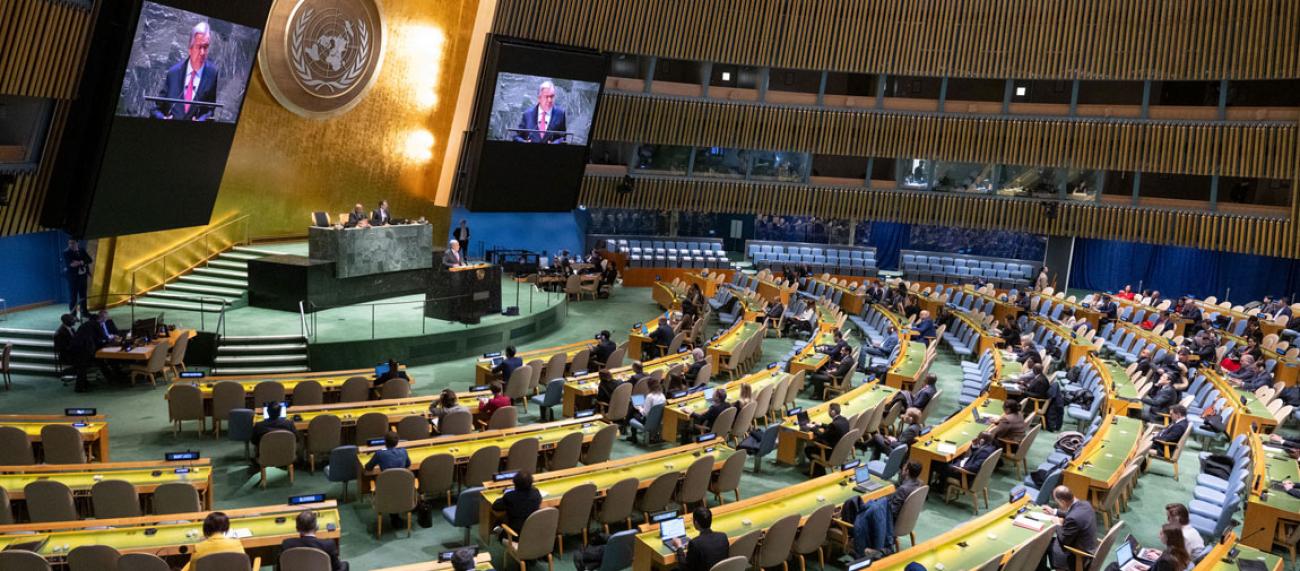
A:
619, 403
62, 444
114, 498
982, 477
482, 464
278, 448
575, 508
303, 559
413, 427
555, 366
746, 544
370, 426
602, 444
437, 474
343, 464
659, 492
1103, 548
176, 357
394, 491
308, 393
523, 455
227, 561
6, 510
141, 562
355, 389
18, 560
729, 476
777, 541
840, 453
538, 367
618, 550
567, 452
226, 396
580, 360
736, 563
1029, 556
396, 388
723, 423
554, 392
184, 402
696, 482
744, 420
240, 425
812, 534
267, 391
457, 422
517, 385
49, 500
15, 447
93, 558
504, 417
619, 500
176, 498
537, 538
616, 358
905, 523
324, 433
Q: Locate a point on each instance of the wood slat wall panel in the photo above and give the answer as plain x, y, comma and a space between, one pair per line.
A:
1092, 39
42, 50
1232, 233
1265, 150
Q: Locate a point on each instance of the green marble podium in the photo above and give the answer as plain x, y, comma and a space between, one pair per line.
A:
376, 250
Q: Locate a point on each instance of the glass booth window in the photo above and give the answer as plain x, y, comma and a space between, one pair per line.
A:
721, 162
963, 177
663, 159
784, 167
913, 173
1082, 185
1030, 181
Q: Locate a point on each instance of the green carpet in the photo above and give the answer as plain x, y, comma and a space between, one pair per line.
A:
140, 431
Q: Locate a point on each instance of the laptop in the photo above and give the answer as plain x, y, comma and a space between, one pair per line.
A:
33, 545
638, 400
802, 417
1129, 559
975, 413
672, 530
863, 482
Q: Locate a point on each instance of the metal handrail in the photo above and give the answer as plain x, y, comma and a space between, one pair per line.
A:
302, 321
310, 331
208, 254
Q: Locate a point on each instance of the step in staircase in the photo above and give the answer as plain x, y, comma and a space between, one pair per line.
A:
261, 355
33, 352
222, 281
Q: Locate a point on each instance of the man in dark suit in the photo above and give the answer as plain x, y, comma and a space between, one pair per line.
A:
272, 423
605, 388
966, 466
1165, 439
358, 217
661, 336
544, 122
604, 348
1078, 528
106, 332
908, 482
839, 366
836, 347
925, 328
1162, 397
828, 434
508, 365
451, 257
306, 522
920, 397
76, 266
707, 548
194, 79
381, 216
703, 421
773, 313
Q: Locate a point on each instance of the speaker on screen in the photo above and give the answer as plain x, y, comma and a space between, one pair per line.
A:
530, 133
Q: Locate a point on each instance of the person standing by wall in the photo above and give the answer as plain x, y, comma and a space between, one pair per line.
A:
76, 266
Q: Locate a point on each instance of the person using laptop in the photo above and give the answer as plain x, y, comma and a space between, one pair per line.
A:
272, 422
1175, 556
519, 502
1177, 515
1011, 425
703, 421
827, 434
506, 366
706, 549
641, 406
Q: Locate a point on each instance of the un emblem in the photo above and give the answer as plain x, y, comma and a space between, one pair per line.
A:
320, 57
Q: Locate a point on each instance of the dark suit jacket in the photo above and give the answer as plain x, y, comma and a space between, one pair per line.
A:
605, 391
63, 342
1171, 433
975, 457
711, 414
705, 551
1078, 527
380, 218
262, 428
174, 88
1038, 387
922, 397
452, 259
529, 121
329, 547
603, 350
662, 335
508, 366
831, 433
355, 218
518, 506
1162, 399
926, 330
896, 499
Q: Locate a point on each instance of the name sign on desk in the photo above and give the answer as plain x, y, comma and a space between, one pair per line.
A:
80, 412
306, 499
181, 456
584, 413
193, 375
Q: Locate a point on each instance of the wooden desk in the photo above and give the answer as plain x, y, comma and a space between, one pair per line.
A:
851, 300
462, 446
644, 467
1002, 309
145, 476
332, 384
705, 280
1286, 370
790, 440
808, 359
729, 341
1079, 345
1217, 558
772, 291
143, 352
1266, 326
992, 535
1122, 395
1101, 462
396, 410
910, 366
268, 526
956, 434
757, 513
482, 562
667, 295
638, 338
580, 392
677, 412
94, 433
1253, 411
483, 367
1092, 316
1263, 514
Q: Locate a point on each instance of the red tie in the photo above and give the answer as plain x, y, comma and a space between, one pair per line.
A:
542, 124
189, 90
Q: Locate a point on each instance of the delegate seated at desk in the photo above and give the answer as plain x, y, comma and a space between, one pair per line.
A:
357, 218
381, 216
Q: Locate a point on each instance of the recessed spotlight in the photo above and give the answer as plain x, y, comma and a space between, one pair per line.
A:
726, 76
1021, 91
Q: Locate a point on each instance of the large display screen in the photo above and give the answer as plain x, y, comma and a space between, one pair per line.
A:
146, 143
534, 110
186, 66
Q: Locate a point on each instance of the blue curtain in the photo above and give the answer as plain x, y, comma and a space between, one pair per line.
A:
1108, 265
889, 238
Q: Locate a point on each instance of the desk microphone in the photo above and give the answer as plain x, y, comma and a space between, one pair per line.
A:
1243, 538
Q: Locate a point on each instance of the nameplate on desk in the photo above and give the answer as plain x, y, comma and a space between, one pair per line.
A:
181, 471
705, 437
477, 388
584, 413
375, 442
181, 456
860, 564
80, 412
503, 476
851, 465
663, 516
306, 499
193, 375
677, 394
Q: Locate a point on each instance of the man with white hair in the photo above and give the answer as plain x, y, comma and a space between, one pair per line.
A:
451, 256
544, 122
194, 79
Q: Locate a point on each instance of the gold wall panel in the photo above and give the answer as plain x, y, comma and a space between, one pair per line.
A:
391, 145
1231, 233
1086, 39
1265, 150
42, 49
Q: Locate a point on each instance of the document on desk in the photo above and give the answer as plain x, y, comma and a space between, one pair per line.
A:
945, 448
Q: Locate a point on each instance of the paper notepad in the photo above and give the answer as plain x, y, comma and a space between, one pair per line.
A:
1028, 523
945, 448
239, 533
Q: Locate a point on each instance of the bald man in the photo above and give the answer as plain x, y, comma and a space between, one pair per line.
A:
451, 256
358, 218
